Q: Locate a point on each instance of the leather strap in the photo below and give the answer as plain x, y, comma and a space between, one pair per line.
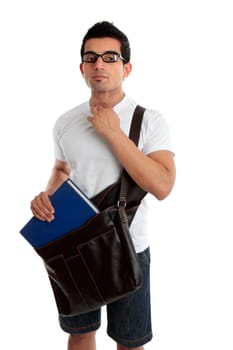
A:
134, 134
136, 122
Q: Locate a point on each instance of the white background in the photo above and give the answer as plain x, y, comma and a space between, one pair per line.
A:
182, 65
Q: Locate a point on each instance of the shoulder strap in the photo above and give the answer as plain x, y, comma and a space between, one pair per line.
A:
134, 134
136, 122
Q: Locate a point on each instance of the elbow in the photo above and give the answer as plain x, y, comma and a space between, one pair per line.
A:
163, 190
160, 185
161, 195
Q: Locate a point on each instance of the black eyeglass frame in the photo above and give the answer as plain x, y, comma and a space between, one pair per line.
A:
117, 56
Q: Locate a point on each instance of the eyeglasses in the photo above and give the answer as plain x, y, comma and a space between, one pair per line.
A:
107, 56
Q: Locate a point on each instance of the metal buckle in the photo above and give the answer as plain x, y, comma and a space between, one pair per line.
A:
121, 203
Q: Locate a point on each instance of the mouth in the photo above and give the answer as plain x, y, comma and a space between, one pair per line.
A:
99, 77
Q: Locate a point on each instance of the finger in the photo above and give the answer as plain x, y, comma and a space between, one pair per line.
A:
45, 199
42, 208
93, 110
96, 109
41, 215
37, 213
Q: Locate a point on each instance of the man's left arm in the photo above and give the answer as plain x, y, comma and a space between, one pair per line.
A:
155, 173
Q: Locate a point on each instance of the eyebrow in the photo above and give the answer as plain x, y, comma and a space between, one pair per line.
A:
108, 51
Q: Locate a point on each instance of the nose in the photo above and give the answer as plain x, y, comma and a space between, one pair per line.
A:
99, 63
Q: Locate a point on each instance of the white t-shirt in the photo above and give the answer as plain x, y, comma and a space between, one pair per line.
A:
94, 165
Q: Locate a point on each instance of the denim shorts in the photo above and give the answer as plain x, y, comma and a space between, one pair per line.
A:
129, 319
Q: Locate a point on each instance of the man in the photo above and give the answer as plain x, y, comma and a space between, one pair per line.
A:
91, 146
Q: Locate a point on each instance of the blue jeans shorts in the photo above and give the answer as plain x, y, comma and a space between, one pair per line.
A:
129, 319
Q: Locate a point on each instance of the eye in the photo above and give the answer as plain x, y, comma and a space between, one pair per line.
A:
89, 57
110, 57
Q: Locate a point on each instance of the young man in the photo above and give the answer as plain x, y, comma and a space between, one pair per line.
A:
91, 147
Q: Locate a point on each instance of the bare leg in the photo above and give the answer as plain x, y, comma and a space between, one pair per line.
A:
82, 341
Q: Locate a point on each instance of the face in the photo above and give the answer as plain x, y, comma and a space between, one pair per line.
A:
101, 76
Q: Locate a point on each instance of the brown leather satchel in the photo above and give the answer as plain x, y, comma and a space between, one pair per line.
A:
96, 264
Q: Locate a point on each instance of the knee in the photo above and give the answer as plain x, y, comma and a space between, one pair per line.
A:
83, 341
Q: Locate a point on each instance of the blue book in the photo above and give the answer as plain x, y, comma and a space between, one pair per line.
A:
72, 209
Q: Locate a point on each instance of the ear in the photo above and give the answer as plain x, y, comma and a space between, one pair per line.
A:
127, 70
81, 68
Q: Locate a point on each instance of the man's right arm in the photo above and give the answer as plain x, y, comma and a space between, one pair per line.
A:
41, 205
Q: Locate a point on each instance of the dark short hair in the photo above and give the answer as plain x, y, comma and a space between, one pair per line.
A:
108, 30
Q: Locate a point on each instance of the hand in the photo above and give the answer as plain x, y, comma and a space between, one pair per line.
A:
42, 208
104, 120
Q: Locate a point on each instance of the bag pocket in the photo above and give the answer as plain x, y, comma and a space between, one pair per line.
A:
64, 276
106, 263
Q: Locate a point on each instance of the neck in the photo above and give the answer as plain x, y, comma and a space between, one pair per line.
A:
106, 100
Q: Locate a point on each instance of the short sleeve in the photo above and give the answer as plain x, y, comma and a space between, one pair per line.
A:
155, 135
58, 151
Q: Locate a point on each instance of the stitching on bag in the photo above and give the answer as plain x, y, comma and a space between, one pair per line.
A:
61, 256
76, 286
55, 257
95, 238
92, 278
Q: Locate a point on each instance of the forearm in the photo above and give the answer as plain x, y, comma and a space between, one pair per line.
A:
56, 179
58, 176
148, 172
